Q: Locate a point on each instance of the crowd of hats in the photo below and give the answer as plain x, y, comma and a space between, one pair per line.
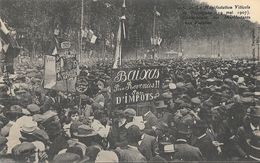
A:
197, 93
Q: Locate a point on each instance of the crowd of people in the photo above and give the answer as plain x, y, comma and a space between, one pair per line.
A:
208, 110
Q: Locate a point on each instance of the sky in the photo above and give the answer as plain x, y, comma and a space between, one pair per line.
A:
254, 10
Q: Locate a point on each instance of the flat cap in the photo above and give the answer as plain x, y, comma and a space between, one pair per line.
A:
23, 149
130, 112
195, 100
33, 108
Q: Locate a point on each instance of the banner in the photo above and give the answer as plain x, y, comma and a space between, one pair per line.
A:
135, 85
60, 73
156, 41
49, 71
66, 68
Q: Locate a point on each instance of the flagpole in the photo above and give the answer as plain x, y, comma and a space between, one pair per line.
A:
258, 55
154, 15
81, 29
253, 44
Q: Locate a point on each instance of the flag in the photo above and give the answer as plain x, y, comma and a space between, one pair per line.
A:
84, 34
107, 5
157, 13
56, 32
159, 41
123, 28
55, 51
156, 40
3, 27
117, 59
124, 4
153, 41
90, 34
93, 39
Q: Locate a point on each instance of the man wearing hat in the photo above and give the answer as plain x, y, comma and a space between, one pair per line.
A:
31, 133
203, 141
130, 153
163, 112
4, 157
24, 152
129, 115
18, 117
246, 133
50, 122
107, 156
50, 102
33, 109
118, 131
148, 146
183, 150
150, 120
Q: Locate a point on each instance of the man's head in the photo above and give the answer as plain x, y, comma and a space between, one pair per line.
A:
24, 152
133, 135
73, 115
129, 114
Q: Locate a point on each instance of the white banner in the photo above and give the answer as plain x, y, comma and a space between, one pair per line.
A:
93, 39
49, 71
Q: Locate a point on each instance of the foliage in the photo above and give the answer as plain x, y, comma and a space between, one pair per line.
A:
36, 19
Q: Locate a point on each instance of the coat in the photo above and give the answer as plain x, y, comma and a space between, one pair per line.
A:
240, 141
117, 136
148, 146
151, 120
59, 143
186, 152
206, 147
130, 155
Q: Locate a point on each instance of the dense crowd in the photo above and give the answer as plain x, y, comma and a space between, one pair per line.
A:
208, 110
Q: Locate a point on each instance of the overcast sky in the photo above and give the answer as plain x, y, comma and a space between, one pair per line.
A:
254, 6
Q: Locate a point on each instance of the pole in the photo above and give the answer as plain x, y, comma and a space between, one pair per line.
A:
81, 29
153, 37
136, 44
211, 48
253, 44
258, 57
154, 16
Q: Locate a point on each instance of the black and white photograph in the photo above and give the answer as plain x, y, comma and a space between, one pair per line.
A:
115, 81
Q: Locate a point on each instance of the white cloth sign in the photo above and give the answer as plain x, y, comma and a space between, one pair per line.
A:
49, 71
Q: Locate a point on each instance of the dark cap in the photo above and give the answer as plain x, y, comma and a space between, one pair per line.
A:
183, 128
23, 149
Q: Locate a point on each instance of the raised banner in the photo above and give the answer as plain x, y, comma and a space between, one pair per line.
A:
49, 71
67, 68
65, 45
60, 73
135, 85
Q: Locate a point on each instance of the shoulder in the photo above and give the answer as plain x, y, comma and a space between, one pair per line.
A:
149, 137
